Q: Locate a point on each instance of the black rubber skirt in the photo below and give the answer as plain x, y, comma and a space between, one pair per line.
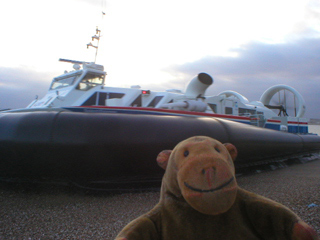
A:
123, 147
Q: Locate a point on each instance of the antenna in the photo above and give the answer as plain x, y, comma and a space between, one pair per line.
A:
95, 37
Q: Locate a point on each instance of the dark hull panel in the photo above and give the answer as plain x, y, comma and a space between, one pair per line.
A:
123, 147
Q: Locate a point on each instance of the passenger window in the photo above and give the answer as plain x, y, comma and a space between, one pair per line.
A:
228, 110
155, 101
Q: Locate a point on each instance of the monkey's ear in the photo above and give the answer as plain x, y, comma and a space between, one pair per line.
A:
232, 150
163, 158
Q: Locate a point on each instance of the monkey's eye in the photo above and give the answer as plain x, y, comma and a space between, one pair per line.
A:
186, 153
217, 149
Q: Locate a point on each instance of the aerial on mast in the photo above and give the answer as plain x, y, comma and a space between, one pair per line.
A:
95, 37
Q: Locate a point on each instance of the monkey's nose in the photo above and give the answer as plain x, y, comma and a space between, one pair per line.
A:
209, 174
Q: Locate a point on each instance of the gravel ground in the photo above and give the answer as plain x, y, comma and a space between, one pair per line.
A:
60, 213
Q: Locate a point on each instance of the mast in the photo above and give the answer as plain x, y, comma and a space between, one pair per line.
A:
95, 37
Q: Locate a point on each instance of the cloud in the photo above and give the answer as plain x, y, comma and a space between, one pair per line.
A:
258, 66
19, 86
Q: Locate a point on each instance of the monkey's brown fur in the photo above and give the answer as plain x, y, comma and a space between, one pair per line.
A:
200, 199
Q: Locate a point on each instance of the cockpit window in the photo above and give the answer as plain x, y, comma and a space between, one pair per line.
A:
90, 80
63, 82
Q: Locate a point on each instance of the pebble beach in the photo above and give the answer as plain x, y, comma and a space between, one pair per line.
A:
55, 212
51, 212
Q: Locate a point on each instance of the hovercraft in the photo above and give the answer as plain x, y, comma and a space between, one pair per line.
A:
84, 132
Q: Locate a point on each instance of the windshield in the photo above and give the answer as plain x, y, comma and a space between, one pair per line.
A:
64, 82
90, 80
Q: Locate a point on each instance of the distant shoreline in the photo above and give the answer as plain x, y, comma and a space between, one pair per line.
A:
314, 121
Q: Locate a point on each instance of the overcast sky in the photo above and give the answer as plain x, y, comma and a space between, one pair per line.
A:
246, 46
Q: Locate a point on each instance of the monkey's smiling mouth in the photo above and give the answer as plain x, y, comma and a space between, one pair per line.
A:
209, 190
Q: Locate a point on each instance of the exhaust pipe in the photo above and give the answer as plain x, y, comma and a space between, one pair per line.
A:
198, 85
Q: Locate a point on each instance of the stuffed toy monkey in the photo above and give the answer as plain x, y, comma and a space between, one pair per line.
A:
200, 199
